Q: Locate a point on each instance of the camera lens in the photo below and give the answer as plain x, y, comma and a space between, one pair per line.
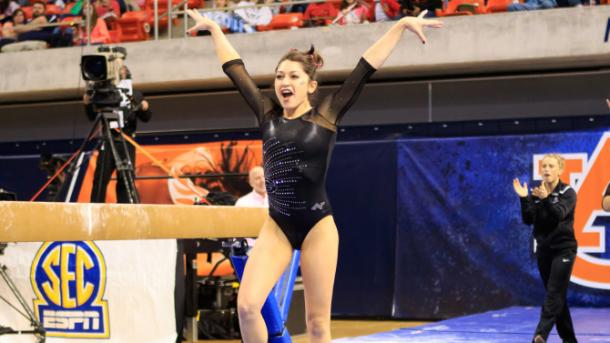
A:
94, 68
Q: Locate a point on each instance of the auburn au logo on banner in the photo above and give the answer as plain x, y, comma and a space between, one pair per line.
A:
69, 279
589, 177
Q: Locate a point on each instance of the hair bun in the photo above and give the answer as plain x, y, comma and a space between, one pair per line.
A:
316, 59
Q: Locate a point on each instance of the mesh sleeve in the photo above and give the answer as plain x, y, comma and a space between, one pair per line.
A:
258, 102
335, 105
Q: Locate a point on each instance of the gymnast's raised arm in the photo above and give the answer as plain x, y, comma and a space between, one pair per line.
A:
232, 65
224, 49
381, 50
336, 105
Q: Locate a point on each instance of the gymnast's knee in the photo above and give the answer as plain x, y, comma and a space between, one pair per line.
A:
318, 326
248, 308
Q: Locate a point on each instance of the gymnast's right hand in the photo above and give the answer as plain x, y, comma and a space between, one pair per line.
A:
201, 22
520, 189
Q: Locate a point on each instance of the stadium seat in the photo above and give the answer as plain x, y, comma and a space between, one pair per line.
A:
132, 26
286, 21
494, 6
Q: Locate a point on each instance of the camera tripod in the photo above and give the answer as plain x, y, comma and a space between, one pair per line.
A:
25, 311
120, 154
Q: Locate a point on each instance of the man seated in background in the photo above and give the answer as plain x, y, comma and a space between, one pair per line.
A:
35, 28
258, 196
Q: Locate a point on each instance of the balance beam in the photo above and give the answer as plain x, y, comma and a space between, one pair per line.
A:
51, 221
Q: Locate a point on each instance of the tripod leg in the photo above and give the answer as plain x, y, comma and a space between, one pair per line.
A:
124, 166
129, 155
103, 172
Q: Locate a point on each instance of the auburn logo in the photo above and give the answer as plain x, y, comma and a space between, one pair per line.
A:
589, 178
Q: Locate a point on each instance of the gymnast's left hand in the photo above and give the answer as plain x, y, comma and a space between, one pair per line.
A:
417, 24
201, 22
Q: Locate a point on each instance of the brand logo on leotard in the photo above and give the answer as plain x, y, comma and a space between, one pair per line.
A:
589, 177
318, 206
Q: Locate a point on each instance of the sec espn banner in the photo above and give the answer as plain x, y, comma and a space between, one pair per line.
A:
121, 291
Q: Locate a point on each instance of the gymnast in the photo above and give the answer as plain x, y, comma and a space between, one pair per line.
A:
298, 137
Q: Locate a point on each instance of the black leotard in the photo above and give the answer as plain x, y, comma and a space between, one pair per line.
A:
296, 152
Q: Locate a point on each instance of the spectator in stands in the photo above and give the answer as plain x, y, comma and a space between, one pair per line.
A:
8, 29
107, 9
530, 5
40, 28
253, 16
352, 12
415, 7
7, 8
320, 14
258, 196
32, 30
386, 10
221, 16
299, 8
38, 18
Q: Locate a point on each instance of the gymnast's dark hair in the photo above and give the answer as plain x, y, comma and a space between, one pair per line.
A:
310, 60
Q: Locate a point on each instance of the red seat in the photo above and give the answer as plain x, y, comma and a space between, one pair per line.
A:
53, 10
494, 6
161, 5
102, 35
132, 26
135, 14
286, 21
27, 10
195, 3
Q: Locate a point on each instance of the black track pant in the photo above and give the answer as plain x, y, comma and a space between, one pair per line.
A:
555, 269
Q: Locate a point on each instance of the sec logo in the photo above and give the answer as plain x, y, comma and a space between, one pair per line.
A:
69, 279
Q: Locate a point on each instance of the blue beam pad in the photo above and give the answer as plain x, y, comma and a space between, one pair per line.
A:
514, 324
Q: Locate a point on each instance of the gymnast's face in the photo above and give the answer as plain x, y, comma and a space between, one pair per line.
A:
292, 85
550, 170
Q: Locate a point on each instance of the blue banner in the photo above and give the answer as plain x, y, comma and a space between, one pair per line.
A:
461, 244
